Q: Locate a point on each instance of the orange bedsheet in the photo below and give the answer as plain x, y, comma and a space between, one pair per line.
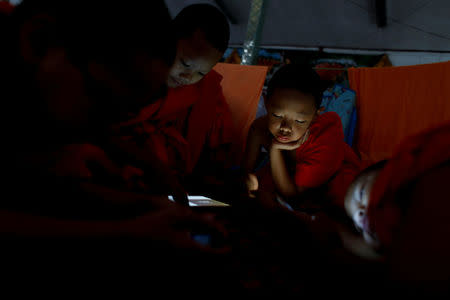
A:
396, 102
242, 86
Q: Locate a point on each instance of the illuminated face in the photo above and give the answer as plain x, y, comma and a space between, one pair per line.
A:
195, 58
357, 198
290, 113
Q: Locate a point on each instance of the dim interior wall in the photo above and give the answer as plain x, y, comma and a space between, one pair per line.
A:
422, 25
406, 59
431, 14
397, 58
402, 58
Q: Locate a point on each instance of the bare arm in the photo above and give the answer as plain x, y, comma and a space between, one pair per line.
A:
255, 139
283, 181
152, 164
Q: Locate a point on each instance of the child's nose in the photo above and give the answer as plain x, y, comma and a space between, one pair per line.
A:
285, 130
187, 76
286, 126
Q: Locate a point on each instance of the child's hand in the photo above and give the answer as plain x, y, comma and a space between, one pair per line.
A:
75, 160
178, 192
290, 146
251, 182
285, 146
175, 226
134, 178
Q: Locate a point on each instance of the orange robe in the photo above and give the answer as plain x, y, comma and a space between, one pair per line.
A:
414, 157
324, 161
180, 126
6, 8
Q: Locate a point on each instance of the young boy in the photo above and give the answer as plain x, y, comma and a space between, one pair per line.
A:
62, 81
378, 198
306, 149
357, 201
401, 208
191, 128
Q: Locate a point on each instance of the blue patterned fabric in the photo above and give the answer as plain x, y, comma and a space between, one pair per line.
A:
341, 100
351, 128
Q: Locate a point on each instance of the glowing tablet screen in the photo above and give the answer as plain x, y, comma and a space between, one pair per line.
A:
202, 201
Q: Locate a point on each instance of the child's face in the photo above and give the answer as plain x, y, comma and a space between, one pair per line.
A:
195, 58
290, 112
357, 197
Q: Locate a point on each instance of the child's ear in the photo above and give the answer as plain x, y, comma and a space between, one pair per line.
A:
37, 35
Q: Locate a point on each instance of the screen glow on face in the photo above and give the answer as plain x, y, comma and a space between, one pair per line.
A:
202, 201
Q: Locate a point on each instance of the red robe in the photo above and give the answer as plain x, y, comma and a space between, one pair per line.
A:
414, 157
180, 126
6, 8
324, 161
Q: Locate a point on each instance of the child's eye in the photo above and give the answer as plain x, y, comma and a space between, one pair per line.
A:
201, 74
361, 192
184, 63
300, 122
276, 116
